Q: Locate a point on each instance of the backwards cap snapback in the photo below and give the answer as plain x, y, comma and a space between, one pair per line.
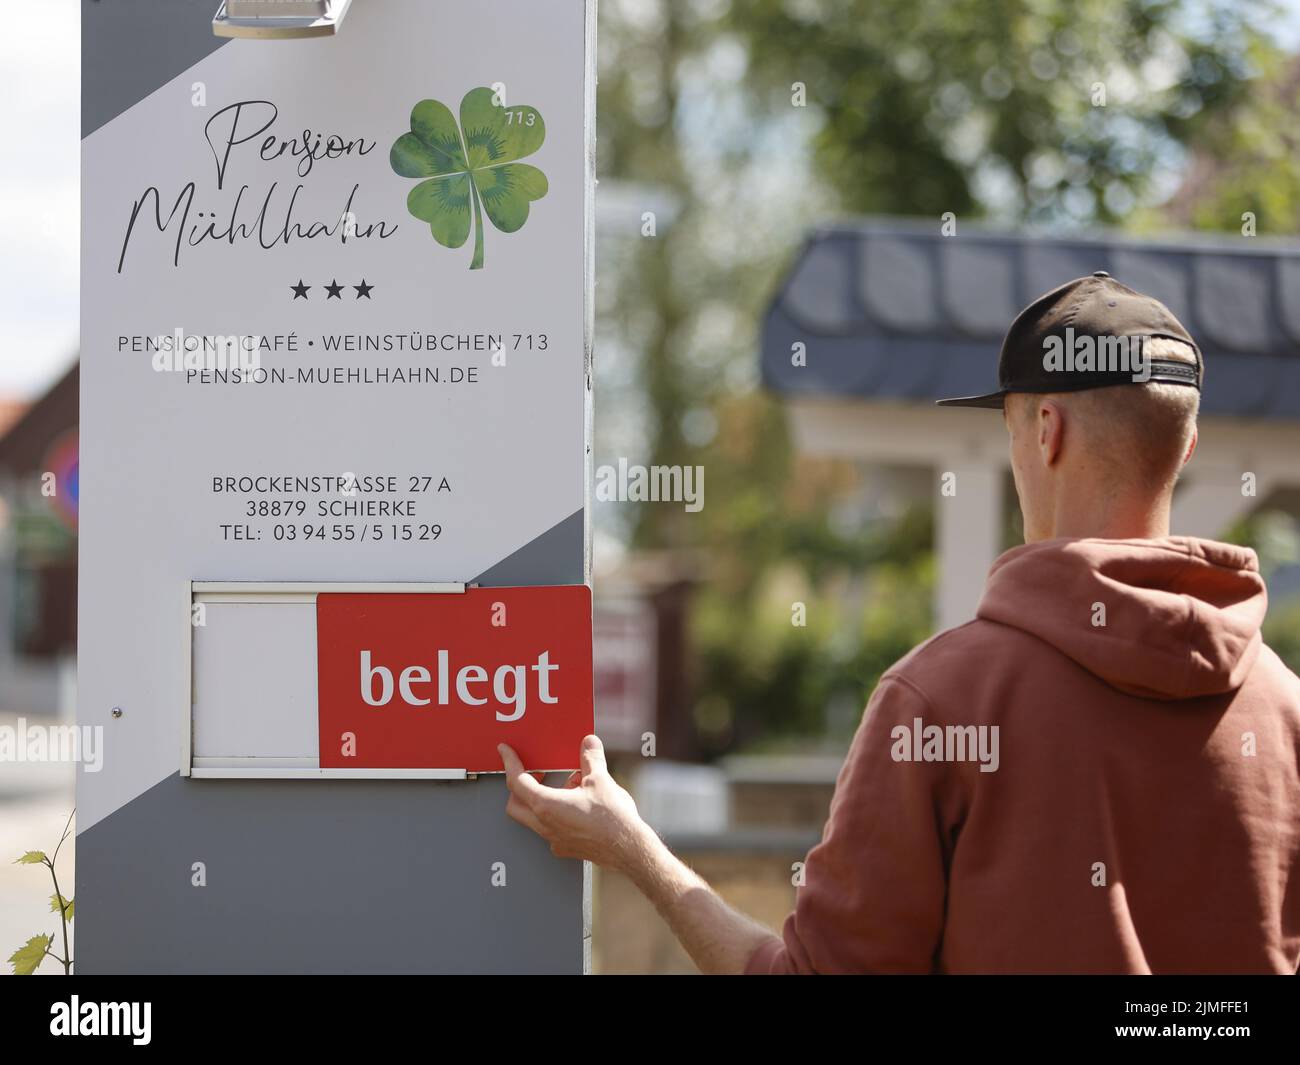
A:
1099, 307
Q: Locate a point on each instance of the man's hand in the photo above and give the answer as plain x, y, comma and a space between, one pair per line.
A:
591, 817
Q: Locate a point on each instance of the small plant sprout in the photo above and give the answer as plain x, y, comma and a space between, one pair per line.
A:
27, 958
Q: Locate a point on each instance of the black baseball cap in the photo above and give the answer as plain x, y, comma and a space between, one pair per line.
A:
1097, 306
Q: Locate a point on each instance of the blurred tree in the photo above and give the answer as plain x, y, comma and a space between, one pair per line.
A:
1040, 110
1273, 533
1244, 174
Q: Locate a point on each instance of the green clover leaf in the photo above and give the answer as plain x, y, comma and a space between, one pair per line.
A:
473, 165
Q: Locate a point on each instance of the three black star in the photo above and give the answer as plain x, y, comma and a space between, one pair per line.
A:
333, 291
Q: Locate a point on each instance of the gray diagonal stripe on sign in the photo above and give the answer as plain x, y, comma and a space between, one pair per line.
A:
130, 48
555, 557
323, 876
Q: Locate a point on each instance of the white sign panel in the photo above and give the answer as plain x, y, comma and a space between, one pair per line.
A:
334, 329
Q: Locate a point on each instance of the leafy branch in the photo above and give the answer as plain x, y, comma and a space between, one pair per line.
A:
27, 958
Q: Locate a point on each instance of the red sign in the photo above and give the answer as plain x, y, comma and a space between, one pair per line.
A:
436, 681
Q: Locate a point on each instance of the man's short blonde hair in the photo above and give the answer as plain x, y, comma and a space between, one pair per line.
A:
1140, 433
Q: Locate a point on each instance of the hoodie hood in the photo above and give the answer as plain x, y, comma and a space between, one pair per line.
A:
1181, 615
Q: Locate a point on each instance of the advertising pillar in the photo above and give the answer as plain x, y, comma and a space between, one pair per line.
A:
334, 547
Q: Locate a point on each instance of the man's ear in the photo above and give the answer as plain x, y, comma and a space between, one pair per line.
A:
1050, 417
1191, 447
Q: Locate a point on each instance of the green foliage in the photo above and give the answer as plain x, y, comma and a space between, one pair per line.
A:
865, 588
1282, 633
927, 107
1275, 537
29, 956
1246, 158
764, 680
475, 163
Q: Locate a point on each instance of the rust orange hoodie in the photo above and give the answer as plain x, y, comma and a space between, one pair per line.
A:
1100, 774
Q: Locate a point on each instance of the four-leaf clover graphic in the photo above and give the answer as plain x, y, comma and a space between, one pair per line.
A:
475, 163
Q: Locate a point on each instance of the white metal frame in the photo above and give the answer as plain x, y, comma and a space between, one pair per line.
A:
286, 593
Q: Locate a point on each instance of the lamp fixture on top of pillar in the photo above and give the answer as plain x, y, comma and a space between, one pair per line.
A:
279, 19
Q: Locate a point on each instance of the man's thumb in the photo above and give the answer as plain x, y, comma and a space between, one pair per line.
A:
592, 758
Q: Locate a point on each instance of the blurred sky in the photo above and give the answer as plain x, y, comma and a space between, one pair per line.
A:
40, 86
39, 179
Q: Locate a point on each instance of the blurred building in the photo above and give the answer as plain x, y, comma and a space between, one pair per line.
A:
892, 315
38, 554
642, 655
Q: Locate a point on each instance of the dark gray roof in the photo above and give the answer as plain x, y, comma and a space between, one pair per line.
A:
894, 310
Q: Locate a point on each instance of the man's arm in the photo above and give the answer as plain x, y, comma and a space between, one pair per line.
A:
594, 818
874, 889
